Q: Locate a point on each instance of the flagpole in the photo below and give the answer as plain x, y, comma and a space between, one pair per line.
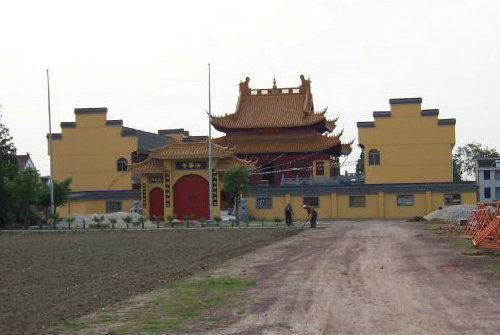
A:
210, 181
52, 209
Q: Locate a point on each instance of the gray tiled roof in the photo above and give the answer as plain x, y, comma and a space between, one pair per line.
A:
105, 195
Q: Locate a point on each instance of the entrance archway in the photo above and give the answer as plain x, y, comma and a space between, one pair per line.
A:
191, 197
156, 207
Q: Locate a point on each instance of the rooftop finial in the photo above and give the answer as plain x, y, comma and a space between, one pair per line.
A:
274, 83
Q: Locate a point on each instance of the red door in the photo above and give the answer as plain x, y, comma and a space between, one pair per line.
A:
156, 203
191, 197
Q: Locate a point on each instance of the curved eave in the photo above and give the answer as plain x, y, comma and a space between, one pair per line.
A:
321, 125
149, 165
232, 162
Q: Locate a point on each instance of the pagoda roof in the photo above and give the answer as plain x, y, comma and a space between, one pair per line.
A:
284, 143
183, 150
274, 108
189, 150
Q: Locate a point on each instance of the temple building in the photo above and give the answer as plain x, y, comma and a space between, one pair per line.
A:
96, 153
279, 129
175, 179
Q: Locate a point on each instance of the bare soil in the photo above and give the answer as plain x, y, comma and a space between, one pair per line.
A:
49, 277
372, 277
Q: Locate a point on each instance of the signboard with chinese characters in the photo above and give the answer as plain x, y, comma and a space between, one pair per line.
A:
156, 179
214, 188
167, 188
186, 165
144, 194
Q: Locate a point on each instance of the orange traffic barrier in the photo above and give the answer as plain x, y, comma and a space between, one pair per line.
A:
488, 237
479, 219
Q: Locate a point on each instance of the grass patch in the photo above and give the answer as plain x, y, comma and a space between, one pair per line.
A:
178, 303
462, 243
492, 267
74, 325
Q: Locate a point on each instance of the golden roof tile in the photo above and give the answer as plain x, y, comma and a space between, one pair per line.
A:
150, 165
271, 108
278, 143
183, 150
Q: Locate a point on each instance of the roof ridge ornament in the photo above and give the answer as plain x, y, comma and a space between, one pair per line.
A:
274, 83
244, 88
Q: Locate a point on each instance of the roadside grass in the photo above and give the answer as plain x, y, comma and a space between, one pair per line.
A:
492, 267
434, 227
175, 305
462, 243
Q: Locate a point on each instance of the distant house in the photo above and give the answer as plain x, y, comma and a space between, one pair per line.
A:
24, 161
488, 178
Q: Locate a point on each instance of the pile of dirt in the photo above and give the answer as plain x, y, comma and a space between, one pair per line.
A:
451, 213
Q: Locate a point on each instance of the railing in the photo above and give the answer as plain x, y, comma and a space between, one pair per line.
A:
347, 179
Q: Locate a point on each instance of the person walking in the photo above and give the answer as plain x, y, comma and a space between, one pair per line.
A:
288, 214
312, 215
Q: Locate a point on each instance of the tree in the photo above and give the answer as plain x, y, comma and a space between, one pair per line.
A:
464, 159
8, 169
61, 191
25, 189
236, 181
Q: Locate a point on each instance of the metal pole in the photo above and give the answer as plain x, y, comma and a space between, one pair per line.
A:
210, 182
52, 209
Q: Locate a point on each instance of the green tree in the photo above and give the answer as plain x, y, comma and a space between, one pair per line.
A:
61, 192
464, 159
8, 169
25, 189
236, 181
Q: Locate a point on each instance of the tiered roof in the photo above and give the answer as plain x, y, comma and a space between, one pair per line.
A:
274, 108
189, 150
285, 143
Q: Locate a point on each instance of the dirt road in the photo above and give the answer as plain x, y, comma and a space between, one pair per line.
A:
377, 277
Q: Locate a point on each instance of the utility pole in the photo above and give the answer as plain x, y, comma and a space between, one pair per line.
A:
210, 181
52, 209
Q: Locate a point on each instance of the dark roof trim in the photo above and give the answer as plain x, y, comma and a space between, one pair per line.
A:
447, 122
368, 124
114, 122
173, 131
55, 136
105, 195
68, 124
429, 112
363, 189
99, 110
400, 101
381, 114
126, 131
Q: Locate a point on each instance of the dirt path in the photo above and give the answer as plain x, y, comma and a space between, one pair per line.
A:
377, 277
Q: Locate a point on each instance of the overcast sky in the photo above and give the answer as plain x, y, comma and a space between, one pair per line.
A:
147, 61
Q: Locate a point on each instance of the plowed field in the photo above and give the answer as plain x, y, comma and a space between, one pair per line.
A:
49, 277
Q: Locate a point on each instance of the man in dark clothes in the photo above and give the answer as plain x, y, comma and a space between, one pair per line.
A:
288, 214
312, 215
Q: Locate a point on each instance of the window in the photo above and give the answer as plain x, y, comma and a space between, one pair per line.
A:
320, 169
357, 201
113, 206
487, 192
374, 157
497, 175
264, 203
486, 174
121, 164
497, 193
311, 201
452, 199
405, 200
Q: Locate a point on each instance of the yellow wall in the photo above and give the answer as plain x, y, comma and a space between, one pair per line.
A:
378, 205
413, 148
175, 175
92, 207
88, 153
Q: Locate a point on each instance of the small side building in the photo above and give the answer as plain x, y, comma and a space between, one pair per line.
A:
488, 178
